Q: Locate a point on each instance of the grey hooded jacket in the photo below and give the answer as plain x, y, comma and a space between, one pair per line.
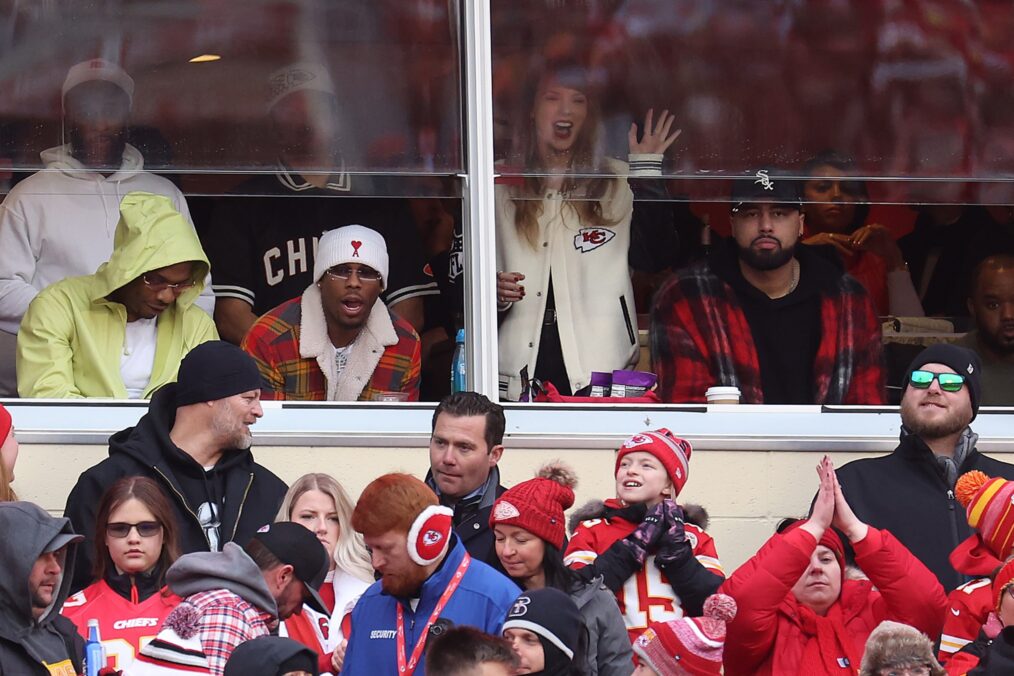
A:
27, 645
609, 651
231, 569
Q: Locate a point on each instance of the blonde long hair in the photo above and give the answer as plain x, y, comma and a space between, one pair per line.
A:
6, 492
582, 194
349, 553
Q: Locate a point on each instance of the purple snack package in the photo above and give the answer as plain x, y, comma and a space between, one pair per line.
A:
632, 383
600, 383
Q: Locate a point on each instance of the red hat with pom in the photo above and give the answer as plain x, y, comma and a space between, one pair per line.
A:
690, 645
537, 505
989, 506
671, 451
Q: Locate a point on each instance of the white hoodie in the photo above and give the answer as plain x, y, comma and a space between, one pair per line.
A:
59, 222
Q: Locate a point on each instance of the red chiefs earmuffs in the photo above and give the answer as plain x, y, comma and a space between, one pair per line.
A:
430, 534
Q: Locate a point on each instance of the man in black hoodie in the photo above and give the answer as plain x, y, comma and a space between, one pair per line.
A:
911, 491
195, 442
34, 637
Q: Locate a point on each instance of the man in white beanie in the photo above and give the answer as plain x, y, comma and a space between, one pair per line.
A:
60, 222
263, 245
338, 341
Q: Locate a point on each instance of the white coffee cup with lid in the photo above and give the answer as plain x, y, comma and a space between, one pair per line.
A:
722, 395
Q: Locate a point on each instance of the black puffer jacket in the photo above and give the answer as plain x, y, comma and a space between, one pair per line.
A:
907, 493
246, 495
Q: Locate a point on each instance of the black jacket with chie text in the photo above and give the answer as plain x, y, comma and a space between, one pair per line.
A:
907, 493
245, 495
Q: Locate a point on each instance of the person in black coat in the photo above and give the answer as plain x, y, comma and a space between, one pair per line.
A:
911, 491
195, 443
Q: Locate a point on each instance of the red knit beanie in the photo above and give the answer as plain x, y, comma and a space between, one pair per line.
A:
671, 451
1003, 579
693, 644
537, 505
5, 424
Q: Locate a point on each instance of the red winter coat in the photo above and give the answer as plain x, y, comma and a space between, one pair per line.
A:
766, 636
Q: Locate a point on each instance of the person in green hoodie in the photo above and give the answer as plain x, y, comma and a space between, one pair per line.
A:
122, 331
34, 637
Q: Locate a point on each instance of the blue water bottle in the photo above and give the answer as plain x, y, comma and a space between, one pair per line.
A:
458, 380
94, 653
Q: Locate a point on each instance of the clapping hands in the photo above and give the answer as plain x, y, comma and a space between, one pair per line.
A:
831, 509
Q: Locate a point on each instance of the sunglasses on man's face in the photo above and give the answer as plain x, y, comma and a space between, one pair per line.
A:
145, 529
949, 382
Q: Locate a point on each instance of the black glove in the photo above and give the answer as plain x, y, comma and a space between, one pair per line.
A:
674, 547
647, 535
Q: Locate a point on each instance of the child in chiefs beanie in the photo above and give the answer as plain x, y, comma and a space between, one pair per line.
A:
533, 511
643, 533
986, 501
689, 646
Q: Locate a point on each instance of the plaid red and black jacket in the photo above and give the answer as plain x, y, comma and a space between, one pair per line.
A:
274, 343
700, 338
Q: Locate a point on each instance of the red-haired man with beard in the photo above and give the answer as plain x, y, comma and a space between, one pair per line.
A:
425, 576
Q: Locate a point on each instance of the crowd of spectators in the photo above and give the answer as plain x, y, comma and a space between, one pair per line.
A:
192, 558
331, 290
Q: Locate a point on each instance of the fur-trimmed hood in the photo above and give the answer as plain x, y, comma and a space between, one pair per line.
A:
599, 509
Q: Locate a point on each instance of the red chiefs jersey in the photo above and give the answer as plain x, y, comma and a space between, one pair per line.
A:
968, 607
125, 627
646, 596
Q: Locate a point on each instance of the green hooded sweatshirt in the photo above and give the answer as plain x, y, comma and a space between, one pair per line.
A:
72, 337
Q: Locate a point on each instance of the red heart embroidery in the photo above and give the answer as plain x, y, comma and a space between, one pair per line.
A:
355, 248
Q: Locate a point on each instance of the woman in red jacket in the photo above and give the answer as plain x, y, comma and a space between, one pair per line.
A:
135, 543
797, 612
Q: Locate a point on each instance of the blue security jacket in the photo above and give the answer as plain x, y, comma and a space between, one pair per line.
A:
481, 600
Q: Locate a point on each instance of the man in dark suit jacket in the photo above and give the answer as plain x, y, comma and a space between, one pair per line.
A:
465, 446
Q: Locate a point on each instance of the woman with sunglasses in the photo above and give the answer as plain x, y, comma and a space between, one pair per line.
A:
318, 502
135, 543
836, 206
798, 613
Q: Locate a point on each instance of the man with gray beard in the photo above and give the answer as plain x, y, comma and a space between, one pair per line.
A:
911, 491
195, 442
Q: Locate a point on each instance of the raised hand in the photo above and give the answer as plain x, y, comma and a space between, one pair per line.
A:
824, 506
845, 519
656, 138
